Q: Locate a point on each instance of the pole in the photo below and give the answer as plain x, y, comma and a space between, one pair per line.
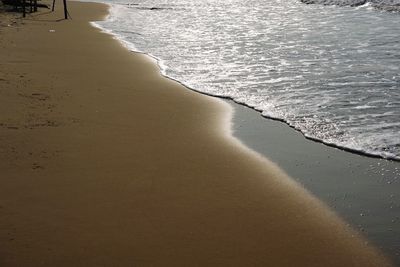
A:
23, 8
54, 4
65, 9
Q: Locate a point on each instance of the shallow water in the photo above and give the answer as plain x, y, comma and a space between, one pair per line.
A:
330, 72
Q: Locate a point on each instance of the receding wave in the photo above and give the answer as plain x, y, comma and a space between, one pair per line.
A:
387, 5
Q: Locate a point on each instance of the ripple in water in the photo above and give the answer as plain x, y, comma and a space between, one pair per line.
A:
330, 72
386, 5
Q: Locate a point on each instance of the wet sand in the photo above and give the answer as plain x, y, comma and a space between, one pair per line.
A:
105, 162
362, 190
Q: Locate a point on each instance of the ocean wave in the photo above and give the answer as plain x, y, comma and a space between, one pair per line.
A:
386, 5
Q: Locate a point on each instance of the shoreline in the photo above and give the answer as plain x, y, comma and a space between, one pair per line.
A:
94, 175
379, 227
132, 48
319, 141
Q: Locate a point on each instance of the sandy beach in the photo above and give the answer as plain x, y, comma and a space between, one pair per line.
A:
104, 162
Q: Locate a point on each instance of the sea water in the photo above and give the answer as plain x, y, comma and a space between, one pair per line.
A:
331, 72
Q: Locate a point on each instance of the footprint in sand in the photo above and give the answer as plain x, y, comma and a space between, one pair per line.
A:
36, 166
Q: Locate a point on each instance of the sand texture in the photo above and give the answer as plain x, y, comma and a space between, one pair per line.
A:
106, 163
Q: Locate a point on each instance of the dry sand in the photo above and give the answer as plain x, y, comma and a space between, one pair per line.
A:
106, 163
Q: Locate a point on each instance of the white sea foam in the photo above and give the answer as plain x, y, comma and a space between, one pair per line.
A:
331, 73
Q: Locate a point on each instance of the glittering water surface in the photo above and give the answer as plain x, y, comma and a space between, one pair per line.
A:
331, 72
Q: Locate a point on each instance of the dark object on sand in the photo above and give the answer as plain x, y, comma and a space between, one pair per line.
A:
66, 13
22, 5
